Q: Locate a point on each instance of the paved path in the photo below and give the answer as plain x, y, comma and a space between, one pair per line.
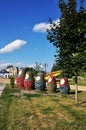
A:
81, 88
2, 86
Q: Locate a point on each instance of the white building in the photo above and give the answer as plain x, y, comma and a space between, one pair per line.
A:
4, 74
12, 70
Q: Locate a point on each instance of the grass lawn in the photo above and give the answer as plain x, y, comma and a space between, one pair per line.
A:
80, 82
41, 111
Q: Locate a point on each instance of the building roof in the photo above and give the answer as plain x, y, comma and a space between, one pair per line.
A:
3, 71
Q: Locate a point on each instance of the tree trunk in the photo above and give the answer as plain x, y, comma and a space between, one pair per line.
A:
76, 90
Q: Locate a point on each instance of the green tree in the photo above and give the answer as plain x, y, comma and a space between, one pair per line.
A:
12, 81
9, 66
38, 66
69, 38
55, 67
28, 69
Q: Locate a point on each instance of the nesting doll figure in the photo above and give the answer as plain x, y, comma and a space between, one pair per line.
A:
20, 78
29, 81
64, 86
51, 84
40, 81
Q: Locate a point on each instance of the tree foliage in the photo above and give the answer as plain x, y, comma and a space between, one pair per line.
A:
69, 37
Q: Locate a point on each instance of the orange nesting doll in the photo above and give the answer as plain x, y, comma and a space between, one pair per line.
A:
51, 84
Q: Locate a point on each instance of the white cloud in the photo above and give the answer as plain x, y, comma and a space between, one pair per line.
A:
42, 27
13, 46
4, 64
57, 21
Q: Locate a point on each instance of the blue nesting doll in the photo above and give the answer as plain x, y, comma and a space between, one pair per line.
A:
40, 81
64, 86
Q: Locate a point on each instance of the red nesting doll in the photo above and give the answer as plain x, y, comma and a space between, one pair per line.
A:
20, 78
29, 81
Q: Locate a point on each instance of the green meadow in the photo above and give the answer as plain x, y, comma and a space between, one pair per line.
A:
20, 110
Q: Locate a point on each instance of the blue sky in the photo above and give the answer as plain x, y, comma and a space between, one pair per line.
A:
23, 37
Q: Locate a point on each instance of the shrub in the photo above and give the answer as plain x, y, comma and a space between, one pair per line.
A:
12, 81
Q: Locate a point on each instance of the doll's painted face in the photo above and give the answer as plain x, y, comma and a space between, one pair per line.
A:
38, 78
50, 79
20, 72
62, 81
27, 76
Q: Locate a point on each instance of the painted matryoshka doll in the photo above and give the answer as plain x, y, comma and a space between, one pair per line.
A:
64, 86
20, 78
51, 84
29, 81
40, 81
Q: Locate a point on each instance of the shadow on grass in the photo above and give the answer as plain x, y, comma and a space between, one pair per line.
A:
83, 102
31, 95
73, 92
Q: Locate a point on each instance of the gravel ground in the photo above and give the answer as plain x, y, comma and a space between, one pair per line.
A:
3, 82
2, 86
